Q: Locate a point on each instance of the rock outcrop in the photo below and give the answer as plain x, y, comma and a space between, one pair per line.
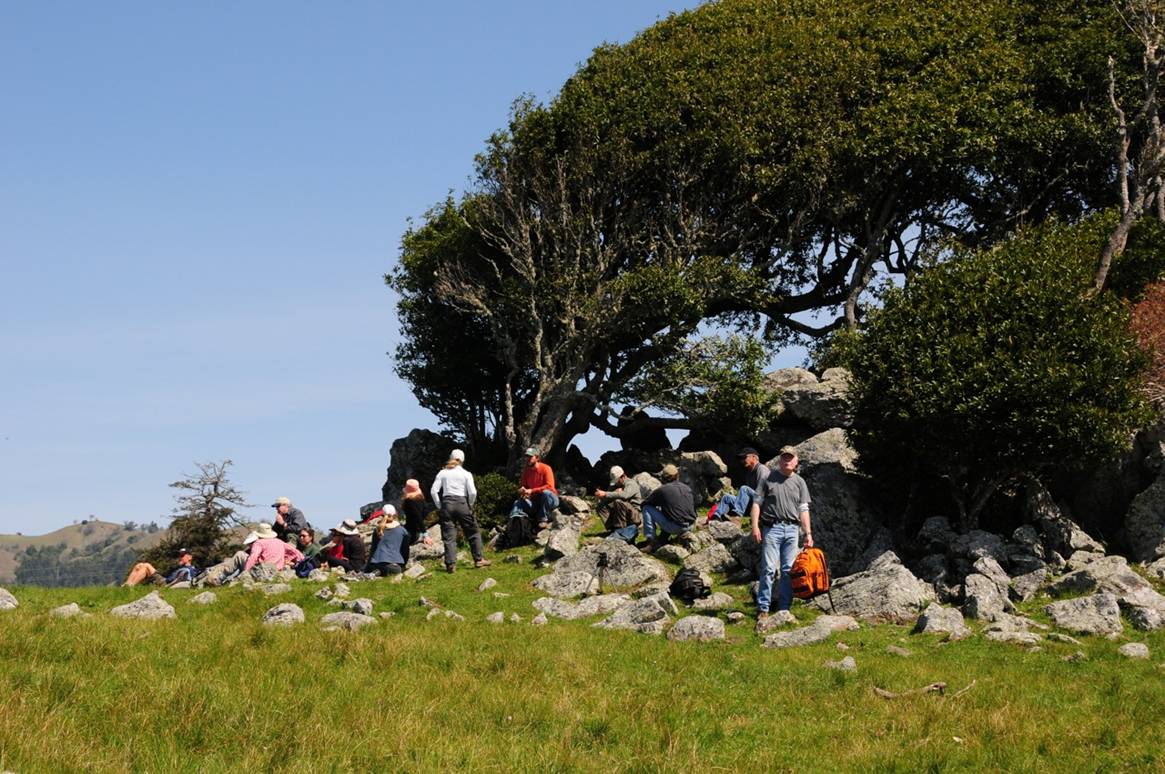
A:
885, 591
150, 607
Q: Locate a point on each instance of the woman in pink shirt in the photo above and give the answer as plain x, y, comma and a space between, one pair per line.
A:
269, 549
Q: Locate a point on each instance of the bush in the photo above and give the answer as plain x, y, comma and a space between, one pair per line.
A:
495, 496
994, 367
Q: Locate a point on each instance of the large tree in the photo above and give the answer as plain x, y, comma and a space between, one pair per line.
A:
744, 162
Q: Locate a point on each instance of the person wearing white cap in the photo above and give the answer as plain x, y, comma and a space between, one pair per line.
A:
289, 520
621, 505
454, 494
223, 572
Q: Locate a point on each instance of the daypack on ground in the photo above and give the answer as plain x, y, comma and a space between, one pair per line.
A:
689, 586
810, 574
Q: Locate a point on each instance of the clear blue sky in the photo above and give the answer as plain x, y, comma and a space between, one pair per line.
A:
198, 203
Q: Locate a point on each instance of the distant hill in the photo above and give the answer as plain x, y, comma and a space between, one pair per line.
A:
93, 552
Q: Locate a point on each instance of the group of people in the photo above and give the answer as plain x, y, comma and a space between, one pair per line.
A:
776, 503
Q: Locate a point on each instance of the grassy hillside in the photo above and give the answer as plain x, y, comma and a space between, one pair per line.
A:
217, 691
86, 551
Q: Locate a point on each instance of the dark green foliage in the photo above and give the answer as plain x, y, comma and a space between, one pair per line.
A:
996, 366
495, 495
1143, 261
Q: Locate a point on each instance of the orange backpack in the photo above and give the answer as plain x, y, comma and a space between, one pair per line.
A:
810, 574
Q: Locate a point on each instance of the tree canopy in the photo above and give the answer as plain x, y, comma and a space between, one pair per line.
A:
744, 163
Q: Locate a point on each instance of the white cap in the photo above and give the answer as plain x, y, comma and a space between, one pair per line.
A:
616, 473
458, 455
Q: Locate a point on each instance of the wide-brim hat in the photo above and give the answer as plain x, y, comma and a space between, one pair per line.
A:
251, 537
265, 531
346, 527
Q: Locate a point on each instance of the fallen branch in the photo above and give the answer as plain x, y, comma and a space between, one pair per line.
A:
938, 688
970, 685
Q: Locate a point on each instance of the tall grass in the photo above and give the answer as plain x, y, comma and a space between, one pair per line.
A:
215, 690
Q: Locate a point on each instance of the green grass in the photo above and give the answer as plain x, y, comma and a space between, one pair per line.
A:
215, 690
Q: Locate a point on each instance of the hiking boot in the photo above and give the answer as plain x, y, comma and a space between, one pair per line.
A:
450, 568
762, 623
483, 562
543, 525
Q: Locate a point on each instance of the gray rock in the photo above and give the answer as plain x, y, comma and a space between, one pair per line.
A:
894, 650
1061, 534
70, 610
387, 614
346, 620
271, 589
1096, 614
697, 627
573, 505
342, 590
263, 573
784, 378
648, 615
736, 617
435, 612
324, 594
496, 618
205, 598
672, 552
818, 631
513, 559
1012, 636
822, 405
715, 558
434, 549
1029, 539
935, 535
150, 607
452, 616
981, 598
1079, 560
500, 595
724, 531
1063, 638
625, 568
1145, 619
746, 551
846, 664
1112, 575
539, 620
1156, 569
1025, 586
414, 570
487, 584
363, 606
989, 568
937, 619
286, 614
1144, 530
426, 602
563, 537
886, 591
603, 604
977, 544
317, 576
421, 455
1137, 650
713, 602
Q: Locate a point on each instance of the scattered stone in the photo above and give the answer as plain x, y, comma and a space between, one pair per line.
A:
487, 584
515, 618
262, 573
1025, 586
513, 559
7, 601
454, 616
205, 598
501, 594
672, 552
715, 601
150, 607
342, 590
1096, 614
317, 576
885, 591
1074, 657
433, 613
724, 532
847, 664
539, 620
1137, 650
496, 618
387, 614
939, 619
70, 610
271, 589
1011, 635
603, 604
426, 602
363, 606
286, 614
648, 615
1063, 638
346, 620
736, 617
818, 631
697, 627
894, 650
414, 571
842, 646
324, 594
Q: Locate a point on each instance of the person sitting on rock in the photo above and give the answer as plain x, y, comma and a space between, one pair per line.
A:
454, 494
670, 509
416, 509
347, 549
289, 520
621, 505
269, 549
230, 568
733, 507
307, 545
185, 572
537, 496
779, 513
391, 541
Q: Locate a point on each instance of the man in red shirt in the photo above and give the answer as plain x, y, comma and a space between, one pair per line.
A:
537, 496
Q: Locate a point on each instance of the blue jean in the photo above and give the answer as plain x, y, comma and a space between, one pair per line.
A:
739, 503
778, 543
626, 534
537, 508
653, 517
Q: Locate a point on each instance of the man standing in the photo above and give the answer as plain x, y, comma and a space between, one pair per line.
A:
670, 508
289, 520
740, 504
779, 512
620, 506
537, 496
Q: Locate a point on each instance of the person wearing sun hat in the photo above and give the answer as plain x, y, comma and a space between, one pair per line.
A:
231, 567
416, 509
347, 548
268, 548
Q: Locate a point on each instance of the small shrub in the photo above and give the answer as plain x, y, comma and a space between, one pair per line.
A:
495, 496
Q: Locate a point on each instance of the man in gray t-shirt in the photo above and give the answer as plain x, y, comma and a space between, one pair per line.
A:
779, 513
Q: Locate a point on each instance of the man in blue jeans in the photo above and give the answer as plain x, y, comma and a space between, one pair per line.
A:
731, 507
670, 510
780, 513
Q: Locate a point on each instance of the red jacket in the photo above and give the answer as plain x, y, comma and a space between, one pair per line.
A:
538, 478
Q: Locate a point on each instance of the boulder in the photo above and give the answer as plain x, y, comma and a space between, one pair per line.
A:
1112, 575
724, 532
714, 602
1137, 650
421, 455
886, 591
784, 378
563, 537
818, 631
1144, 529
1060, 533
746, 551
697, 627
262, 573
435, 549
935, 535
205, 598
150, 607
1096, 614
603, 604
71, 610
271, 589
672, 552
347, 620
937, 619
1025, 586
286, 614
363, 606
487, 584
981, 598
846, 664
342, 590
714, 558
1145, 619
823, 404
990, 569
976, 544
539, 620
1156, 569
624, 567
648, 615
7, 601
703, 471
571, 506
895, 650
